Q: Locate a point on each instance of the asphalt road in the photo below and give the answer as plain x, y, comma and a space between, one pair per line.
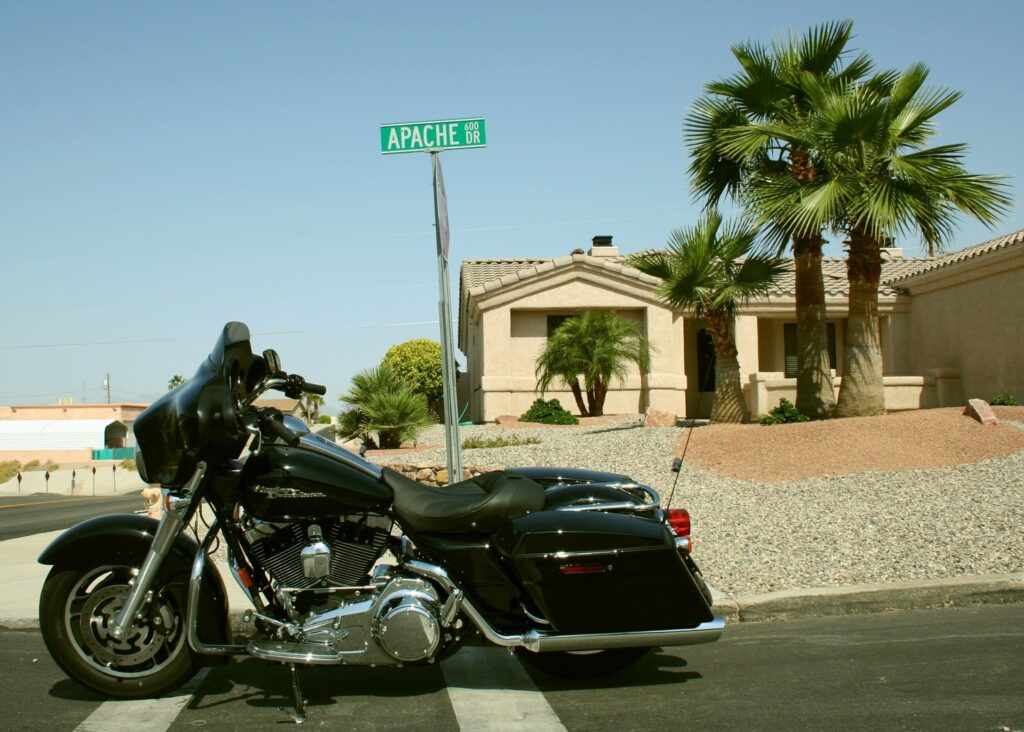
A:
950, 669
39, 513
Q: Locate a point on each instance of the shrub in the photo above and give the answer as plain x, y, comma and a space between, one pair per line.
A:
418, 364
9, 469
325, 419
127, 465
548, 412
475, 442
782, 414
1003, 400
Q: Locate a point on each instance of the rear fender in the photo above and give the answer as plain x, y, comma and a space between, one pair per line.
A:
124, 539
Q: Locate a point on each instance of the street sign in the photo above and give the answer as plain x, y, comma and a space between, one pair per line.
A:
445, 134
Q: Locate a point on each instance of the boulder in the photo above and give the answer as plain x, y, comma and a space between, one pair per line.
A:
981, 411
506, 419
656, 418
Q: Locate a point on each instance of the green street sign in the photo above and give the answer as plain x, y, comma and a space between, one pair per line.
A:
445, 134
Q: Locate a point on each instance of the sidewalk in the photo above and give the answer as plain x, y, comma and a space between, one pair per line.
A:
21, 578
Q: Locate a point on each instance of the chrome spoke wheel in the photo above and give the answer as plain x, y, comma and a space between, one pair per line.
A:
151, 643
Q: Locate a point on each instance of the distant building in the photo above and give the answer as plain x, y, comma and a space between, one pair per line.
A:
68, 433
947, 329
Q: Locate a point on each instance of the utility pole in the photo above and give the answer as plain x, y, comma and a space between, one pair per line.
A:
106, 383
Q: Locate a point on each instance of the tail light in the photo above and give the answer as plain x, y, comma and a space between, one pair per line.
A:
679, 520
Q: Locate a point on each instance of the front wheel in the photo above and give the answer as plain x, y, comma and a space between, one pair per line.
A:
76, 609
582, 664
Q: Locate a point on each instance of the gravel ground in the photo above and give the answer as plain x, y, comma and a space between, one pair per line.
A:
753, 536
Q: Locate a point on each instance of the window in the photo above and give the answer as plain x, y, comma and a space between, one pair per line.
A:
789, 342
556, 320
705, 361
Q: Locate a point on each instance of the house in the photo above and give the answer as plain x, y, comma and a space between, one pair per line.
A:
68, 432
947, 324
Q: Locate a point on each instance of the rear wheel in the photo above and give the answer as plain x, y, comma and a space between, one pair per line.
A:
582, 664
77, 607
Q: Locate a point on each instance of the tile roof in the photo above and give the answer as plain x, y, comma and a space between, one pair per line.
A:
477, 272
992, 245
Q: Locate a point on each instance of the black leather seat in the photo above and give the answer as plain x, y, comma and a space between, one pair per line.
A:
481, 504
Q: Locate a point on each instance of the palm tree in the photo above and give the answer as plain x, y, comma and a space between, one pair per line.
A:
711, 270
741, 129
311, 404
175, 381
597, 345
383, 404
878, 181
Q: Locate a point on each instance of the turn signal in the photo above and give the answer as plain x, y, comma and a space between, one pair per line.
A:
679, 520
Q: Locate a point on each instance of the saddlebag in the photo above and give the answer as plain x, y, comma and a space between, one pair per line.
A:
601, 572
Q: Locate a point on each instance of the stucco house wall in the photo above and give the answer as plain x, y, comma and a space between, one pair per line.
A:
968, 315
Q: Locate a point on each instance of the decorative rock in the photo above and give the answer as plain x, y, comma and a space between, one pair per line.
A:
981, 411
424, 474
442, 477
657, 418
506, 419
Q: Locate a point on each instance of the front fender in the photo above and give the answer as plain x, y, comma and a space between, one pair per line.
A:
125, 538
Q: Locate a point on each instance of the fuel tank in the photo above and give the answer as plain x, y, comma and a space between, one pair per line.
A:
314, 479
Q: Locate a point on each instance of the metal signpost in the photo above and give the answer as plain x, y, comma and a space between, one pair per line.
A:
433, 137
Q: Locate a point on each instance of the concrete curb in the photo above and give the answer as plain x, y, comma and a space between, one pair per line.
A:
874, 598
990, 589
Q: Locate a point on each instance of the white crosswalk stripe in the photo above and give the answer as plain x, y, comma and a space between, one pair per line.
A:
490, 691
141, 715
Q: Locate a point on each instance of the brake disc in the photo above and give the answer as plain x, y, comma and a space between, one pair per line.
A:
144, 639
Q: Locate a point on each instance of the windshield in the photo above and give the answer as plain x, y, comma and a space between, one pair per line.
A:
197, 420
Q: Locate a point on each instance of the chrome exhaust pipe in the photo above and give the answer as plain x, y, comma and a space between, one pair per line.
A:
539, 642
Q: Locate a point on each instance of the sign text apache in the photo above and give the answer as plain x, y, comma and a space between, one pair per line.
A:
445, 134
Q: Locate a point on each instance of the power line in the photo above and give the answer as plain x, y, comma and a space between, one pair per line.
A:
91, 252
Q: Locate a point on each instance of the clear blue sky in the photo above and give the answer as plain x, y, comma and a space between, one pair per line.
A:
167, 167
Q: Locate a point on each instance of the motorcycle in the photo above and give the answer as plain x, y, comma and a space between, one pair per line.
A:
342, 561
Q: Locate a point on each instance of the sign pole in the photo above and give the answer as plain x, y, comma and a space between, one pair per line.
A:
453, 447
433, 137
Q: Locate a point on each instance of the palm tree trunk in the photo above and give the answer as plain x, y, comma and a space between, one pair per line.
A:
814, 394
862, 392
729, 404
577, 394
600, 392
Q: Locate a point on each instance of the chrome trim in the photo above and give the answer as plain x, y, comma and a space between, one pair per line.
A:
295, 424
170, 526
195, 584
683, 544
540, 642
621, 506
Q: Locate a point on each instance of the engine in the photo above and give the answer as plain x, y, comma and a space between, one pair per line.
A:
328, 552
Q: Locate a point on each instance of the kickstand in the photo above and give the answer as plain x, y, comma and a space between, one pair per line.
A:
299, 715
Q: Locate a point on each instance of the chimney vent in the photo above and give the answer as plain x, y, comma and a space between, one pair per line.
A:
602, 247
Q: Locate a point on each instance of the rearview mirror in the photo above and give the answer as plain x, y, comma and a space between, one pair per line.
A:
273, 361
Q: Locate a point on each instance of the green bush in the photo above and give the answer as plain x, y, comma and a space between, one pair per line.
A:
474, 442
418, 364
548, 412
782, 414
324, 419
1003, 400
127, 465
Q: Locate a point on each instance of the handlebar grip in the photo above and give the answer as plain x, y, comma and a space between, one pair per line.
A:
273, 423
314, 389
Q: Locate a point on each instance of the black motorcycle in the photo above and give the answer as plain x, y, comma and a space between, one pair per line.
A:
346, 562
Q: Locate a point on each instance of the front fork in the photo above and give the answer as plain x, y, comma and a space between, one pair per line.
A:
173, 521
